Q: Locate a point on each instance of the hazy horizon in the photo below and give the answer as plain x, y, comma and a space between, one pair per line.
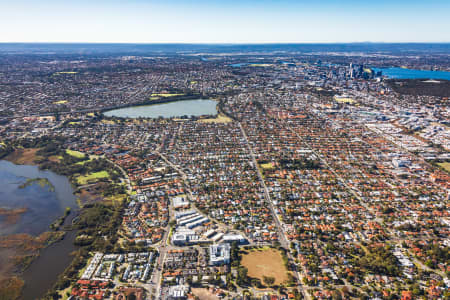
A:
232, 43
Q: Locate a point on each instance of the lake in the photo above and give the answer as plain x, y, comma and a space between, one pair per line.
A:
44, 203
196, 107
44, 200
402, 73
238, 65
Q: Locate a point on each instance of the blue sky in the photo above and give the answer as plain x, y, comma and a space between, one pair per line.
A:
232, 21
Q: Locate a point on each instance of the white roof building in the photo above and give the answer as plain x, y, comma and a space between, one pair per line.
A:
219, 254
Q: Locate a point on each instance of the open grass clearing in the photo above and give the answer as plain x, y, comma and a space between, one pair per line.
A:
60, 102
83, 162
166, 95
261, 65
445, 166
92, 177
66, 72
115, 199
344, 100
74, 153
265, 262
266, 166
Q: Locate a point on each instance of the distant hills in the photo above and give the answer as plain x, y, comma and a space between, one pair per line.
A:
83, 48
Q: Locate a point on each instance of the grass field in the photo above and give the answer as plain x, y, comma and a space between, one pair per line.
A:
267, 166
261, 65
83, 162
344, 100
166, 95
265, 262
60, 102
445, 165
75, 153
60, 73
92, 177
115, 199
221, 118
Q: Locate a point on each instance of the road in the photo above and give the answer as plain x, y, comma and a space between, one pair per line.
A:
179, 170
163, 247
280, 228
357, 193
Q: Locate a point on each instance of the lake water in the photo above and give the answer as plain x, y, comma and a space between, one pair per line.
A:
44, 204
401, 73
238, 65
198, 107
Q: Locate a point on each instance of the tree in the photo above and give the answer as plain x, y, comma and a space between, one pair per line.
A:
269, 280
242, 277
256, 282
131, 297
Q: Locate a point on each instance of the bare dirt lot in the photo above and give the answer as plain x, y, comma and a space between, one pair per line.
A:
265, 262
204, 294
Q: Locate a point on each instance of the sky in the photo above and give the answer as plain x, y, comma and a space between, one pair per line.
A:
226, 21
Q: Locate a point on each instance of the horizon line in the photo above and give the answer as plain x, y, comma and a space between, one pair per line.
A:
230, 43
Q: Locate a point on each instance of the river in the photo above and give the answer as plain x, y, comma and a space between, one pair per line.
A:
40, 276
403, 73
197, 107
